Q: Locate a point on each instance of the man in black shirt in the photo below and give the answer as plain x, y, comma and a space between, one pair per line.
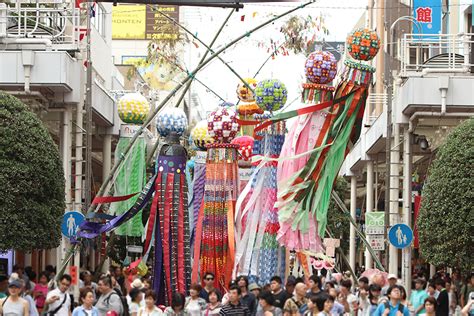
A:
443, 298
247, 298
279, 294
314, 286
234, 307
208, 286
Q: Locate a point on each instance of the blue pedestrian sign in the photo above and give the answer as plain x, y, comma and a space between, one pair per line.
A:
400, 236
71, 222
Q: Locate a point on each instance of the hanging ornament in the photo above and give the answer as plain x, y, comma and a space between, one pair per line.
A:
171, 120
245, 146
271, 94
245, 94
200, 135
225, 104
133, 108
222, 125
320, 67
363, 44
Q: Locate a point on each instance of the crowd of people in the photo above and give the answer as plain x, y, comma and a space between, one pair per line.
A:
118, 294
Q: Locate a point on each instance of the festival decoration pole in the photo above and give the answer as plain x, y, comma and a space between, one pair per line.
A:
118, 163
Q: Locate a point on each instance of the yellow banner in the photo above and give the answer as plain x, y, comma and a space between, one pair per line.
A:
128, 22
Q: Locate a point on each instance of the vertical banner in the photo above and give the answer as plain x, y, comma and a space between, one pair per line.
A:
427, 14
416, 211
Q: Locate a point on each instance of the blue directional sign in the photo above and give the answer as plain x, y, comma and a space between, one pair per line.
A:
400, 236
71, 222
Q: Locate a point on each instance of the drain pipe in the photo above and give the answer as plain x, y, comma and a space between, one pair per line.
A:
443, 88
28, 59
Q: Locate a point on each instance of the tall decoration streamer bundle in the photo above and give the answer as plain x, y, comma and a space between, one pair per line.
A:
247, 108
258, 254
214, 243
132, 109
310, 189
168, 224
305, 134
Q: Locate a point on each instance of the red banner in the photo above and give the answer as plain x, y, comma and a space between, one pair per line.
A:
416, 210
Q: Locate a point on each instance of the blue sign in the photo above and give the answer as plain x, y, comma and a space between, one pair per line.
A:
427, 14
71, 222
400, 236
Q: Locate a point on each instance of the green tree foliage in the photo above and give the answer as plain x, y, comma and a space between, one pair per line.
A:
31, 180
338, 223
445, 222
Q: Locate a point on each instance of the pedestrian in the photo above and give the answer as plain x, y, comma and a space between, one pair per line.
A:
418, 297
255, 289
195, 305
136, 297
429, 306
314, 283
234, 307
466, 290
208, 286
31, 302
86, 297
452, 297
150, 308
324, 303
442, 308
247, 298
338, 308
40, 291
346, 298
58, 301
3, 286
278, 293
109, 299
431, 290
267, 302
86, 281
177, 306
290, 286
298, 304
393, 306
312, 306
468, 309
214, 306
14, 304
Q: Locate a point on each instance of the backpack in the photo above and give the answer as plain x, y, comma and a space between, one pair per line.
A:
302, 308
401, 307
125, 309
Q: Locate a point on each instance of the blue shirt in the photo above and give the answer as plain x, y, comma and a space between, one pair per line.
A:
393, 310
337, 309
81, 311
417, 299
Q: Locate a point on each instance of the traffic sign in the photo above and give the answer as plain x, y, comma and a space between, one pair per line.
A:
71, 222
377, 242
400, 236
374, 223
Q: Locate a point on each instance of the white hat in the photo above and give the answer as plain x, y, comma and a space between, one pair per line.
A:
137, 284
14, 276
392, 276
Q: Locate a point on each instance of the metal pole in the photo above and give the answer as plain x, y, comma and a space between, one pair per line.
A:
394, 193
352, 233
407, 166
88, 108
369, 206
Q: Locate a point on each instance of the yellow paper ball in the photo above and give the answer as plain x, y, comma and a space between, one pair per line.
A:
244, 93
200, 135
133, 108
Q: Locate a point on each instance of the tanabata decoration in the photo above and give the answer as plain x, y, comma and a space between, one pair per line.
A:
131, 178
309, 190
225, 104
258, 254
171, 120
201, 139
271, 94
298, 225
168, 224
244, 93
363, 44
320, 67
214, 239
248, 107
245, 144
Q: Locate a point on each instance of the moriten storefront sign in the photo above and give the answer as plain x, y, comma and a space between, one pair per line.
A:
427, 14
144, 22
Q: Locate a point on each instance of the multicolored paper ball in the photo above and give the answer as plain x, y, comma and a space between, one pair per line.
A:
363, 44
171, 120
245, 146
271, 94
133, 108
320, 67
244, 93
200, 135
222, 125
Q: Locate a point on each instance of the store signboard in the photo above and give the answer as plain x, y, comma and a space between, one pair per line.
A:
374, 223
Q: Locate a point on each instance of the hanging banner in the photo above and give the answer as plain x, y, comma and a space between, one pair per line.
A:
427, 14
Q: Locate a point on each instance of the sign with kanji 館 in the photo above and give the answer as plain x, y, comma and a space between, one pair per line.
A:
374, 223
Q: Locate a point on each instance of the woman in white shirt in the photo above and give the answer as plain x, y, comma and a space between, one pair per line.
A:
195, 305
150, 308
136, 297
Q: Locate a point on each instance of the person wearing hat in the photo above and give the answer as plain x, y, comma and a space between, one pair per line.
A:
3, 286
14, 304
418, 296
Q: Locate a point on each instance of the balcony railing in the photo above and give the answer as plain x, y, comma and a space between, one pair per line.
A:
57, 22
422, 54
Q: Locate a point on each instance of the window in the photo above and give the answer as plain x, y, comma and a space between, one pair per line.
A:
98, 18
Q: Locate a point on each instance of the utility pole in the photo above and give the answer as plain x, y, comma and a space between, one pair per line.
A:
88, 109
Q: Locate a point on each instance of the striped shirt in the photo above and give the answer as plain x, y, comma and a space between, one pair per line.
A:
234, 310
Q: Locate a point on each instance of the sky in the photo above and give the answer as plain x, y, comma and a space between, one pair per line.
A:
248, 55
